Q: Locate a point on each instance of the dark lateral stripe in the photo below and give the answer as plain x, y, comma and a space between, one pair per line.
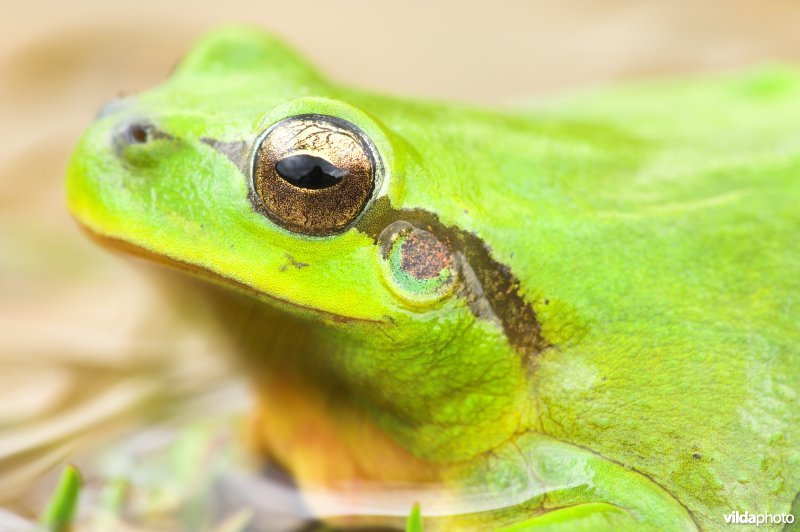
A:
499, 285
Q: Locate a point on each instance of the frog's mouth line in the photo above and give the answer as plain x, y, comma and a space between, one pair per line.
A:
119, 245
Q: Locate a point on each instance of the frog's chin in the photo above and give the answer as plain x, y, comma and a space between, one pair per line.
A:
124, 246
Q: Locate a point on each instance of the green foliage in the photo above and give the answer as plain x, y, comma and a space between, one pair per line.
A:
414, 522
61, 510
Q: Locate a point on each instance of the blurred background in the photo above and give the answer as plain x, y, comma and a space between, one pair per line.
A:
91, 343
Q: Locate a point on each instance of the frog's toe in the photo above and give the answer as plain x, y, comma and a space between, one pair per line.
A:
582, 517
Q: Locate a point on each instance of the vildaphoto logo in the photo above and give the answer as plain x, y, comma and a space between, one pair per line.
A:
746, 518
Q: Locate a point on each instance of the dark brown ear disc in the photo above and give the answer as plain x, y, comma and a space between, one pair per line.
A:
314, 174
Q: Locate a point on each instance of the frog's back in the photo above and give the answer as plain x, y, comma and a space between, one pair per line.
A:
678, 253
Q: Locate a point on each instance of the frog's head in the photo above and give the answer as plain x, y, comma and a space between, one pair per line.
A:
249, 167
226, 170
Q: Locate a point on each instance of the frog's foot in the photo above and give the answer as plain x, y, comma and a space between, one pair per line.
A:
538, 483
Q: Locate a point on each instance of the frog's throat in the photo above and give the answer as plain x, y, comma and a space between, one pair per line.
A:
492, 290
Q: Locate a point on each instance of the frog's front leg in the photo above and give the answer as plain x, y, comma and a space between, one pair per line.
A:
540, 483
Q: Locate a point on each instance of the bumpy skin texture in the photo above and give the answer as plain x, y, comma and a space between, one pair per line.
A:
651, 229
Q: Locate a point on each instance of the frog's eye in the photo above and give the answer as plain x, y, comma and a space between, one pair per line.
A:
313, 174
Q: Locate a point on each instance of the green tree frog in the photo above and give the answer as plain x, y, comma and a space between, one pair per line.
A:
581, 315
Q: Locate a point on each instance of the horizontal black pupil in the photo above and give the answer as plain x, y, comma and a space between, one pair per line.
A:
308, 171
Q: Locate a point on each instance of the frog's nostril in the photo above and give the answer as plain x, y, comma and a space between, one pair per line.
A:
138, 133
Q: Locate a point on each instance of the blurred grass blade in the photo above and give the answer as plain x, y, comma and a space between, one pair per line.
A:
61, 510
414, 522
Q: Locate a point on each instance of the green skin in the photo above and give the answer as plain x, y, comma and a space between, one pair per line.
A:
652, 229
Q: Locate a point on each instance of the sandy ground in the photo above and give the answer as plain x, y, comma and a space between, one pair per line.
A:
80, 329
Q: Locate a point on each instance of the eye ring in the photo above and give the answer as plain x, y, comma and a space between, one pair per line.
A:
313, 174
